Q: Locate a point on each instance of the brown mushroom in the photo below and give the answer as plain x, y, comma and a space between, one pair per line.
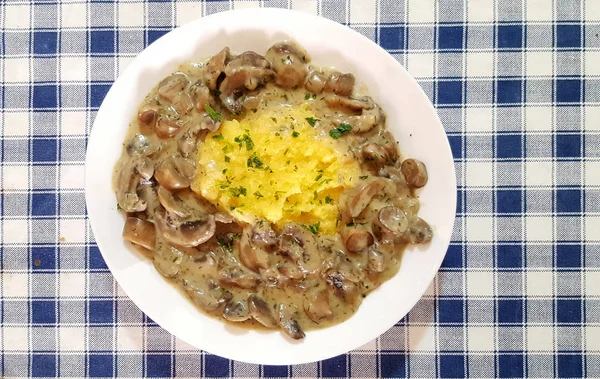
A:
344, 288
172, 90
236, 311
376, 261
251, 256
166, 258
415, 172
186, 233
374, 155
166, 128
127, 184
236, 276
418, 232
140, 145
350, 105
288, 61
300, 245
147, 118
261, 311
263, 235
288, 321
316, 305
361, 195
214, 68
340, 84
140, 232
356, 239
208, 294
315, 82
171, 203
391, 222
201, 95
175, 173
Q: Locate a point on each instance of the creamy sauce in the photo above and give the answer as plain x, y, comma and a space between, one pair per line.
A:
306, 279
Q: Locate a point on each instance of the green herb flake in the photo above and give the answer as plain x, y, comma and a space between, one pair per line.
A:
318, 177
237, 191
328, 199
119, 207
314, 228
295, 134
312, 121
227, 159
351, 223
212, 113
307, 96
254, 161
363, 177
340, 131
274, 119
315, 195
218, 137
258, 195
245, 139
224, 171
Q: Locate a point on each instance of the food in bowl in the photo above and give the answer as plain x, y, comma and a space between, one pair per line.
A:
268, 189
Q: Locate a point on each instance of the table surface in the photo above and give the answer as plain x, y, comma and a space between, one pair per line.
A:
517, 87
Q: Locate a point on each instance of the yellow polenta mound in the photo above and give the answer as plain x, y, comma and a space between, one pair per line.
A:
273, 165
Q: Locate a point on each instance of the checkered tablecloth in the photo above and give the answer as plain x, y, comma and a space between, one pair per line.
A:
517, 87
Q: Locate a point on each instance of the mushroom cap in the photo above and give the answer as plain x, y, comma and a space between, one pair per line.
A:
187, 233
140, 232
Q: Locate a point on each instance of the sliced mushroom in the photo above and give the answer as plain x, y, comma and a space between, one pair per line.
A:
418, 232
288, 320
166, 258
201, 95
316, 305
214, 68
235, 276
290, 271
350, 105
356, 239
236, 311
301, 245
315, 82
140, 145
145, 168
251, 256
288, 61
166, 128
374, 155
261, 311
340, 84
147, 118
391, 222
140, 232
224, 218
188, 233
208, 295
172, 90
171, 204
175, 173
397, 177
361, 195
344, 288
263, 235
127, 185
415, 172
376, 261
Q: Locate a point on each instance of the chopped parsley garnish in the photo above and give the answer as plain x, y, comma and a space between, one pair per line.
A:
224, 171
340, 131
295, 134
328, 199
218, 137
227, 159
286, 151
315, 195
258, 195
277, 194
237, 191
254, 161
312, 121
245, 139
314, 228
212, 113
119, 207
350, 223
318, 177
363, 177
307, 96
274, 119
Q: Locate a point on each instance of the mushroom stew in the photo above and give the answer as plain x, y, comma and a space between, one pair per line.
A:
309, 259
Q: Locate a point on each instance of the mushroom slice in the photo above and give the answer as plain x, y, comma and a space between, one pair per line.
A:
290, 271
344, 288
261, 311
376, 261
340, 84
188, 233
127, 184
166, 258
361, 195
415, 172
147, 118
419, 231
140, 232
251, 256
301, 245
235, 85
374, 154
287, 60
224, 218
244, 61
263, 235
392, 221
356, 239
316, 305
201, 95
214, 68
175, 173
289, 323
140, 145
209, 295
350, 105
315, 82
236, 311
236, 276
145, 167
168, 200
166, 128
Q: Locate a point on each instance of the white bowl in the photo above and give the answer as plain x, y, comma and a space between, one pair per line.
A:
411, 118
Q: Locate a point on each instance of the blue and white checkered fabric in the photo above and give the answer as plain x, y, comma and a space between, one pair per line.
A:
517, 86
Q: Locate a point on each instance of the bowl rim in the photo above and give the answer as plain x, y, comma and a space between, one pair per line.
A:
272, 12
